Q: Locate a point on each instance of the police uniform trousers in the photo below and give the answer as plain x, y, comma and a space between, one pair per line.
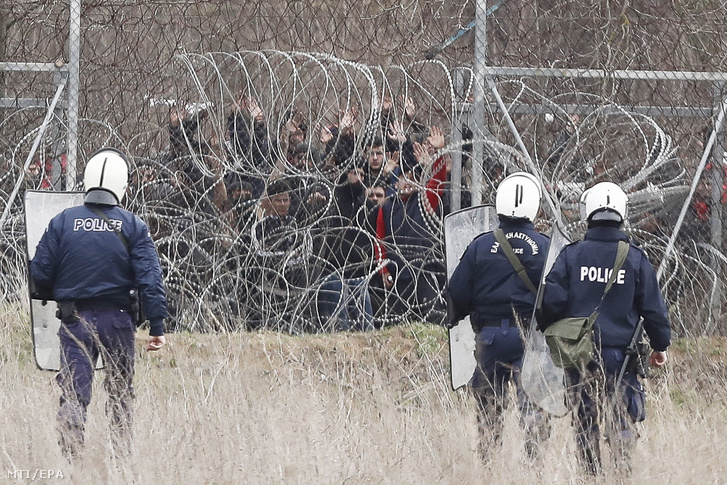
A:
499, 354
594, 396
108, 332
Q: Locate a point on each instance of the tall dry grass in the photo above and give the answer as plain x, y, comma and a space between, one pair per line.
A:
348, 408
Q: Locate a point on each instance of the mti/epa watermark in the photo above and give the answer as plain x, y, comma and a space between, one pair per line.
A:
35, 474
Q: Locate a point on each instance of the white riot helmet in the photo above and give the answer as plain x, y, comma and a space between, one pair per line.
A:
604, 201
519, 196
106, 177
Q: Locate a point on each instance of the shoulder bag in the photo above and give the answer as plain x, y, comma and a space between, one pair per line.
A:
571, 339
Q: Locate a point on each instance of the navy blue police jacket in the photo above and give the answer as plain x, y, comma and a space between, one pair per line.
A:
82, 258
485, 284
575, 284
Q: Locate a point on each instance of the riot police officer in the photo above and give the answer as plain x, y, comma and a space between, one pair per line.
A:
575, 287
92, 257
486, 286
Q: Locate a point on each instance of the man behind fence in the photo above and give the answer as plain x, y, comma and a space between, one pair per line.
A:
92, 257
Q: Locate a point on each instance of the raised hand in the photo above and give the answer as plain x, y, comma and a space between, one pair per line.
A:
422, 155
386, 104
293, 124
409, 108
347, 120
436, 138
325, 135
175, 116
396, 132
575, 120
254, 108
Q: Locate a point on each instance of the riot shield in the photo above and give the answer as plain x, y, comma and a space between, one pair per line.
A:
40, 207
460, 228
542, 381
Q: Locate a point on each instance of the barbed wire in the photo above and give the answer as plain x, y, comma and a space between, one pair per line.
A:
249, 83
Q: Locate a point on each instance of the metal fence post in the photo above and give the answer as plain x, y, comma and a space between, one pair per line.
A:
478, 125
74, 61
717, 212
456, 179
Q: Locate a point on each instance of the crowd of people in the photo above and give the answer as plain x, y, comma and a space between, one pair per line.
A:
351, 216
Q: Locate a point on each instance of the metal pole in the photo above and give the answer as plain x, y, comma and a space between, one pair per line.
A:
30, 66
74, 61
479, 99
58, 147
456, 175
717, 180
456, 141
716, 211
695, 182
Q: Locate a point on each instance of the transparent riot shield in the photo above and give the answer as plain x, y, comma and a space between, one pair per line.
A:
542, 381
40, 207
460, 228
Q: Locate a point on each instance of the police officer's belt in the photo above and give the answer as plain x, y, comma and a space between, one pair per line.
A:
101, 304
478, 322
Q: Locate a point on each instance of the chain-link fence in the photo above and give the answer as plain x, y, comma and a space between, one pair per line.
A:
264, 135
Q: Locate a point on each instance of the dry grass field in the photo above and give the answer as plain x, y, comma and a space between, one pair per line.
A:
264, 408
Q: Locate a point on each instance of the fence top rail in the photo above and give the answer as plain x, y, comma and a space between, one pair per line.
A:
602, 73
585, 109
34, 66
15, 103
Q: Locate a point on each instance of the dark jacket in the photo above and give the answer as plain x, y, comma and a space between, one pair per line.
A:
81, 258
485, 282
255, 151
405, 232
250, 155
575, 285
277, 235
409, 228
350, 198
